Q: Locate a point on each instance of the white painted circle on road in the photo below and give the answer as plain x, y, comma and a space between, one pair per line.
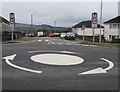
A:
57, 59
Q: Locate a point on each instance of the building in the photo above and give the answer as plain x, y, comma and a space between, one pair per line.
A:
5, 30
4, 25
88, 29
112, 29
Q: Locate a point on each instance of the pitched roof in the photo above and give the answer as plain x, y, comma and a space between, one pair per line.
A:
114, 20
86, 23
4, 20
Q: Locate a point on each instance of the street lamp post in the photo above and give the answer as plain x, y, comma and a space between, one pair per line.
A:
100, 22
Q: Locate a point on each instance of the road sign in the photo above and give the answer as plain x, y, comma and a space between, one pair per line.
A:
12, 19
83, 27
94, 20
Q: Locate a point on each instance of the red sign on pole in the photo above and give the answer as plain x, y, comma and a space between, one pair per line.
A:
94, 20
12, 19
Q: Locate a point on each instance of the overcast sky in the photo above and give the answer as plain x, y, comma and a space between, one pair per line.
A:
64, 13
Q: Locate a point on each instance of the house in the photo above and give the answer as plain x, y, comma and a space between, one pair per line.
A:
112, 29
5, 30
4, 25
88, 29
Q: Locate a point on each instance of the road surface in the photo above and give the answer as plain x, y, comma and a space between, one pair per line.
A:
57, 64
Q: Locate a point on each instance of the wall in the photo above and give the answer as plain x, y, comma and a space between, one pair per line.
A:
110, 31
87, 31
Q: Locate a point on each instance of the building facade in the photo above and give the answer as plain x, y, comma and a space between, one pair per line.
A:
112, 29
88, 29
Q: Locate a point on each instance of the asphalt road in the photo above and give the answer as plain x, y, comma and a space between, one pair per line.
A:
59, 77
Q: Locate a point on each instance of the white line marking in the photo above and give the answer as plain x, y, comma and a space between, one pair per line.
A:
111, 65
94, 71
39, 40
18, 67
85, 45
67, 52
68, 44
99, 70
46, 40
51, 42
59, 43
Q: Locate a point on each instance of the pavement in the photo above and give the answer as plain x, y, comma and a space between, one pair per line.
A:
50, 63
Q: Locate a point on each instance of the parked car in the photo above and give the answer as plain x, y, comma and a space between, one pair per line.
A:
62, 35
70, 36
57, 34
52, 35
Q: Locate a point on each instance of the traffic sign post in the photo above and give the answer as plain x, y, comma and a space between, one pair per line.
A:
94, 24
12, 23
83, 28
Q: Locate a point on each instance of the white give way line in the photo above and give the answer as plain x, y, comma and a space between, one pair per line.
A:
99, 70
18, 67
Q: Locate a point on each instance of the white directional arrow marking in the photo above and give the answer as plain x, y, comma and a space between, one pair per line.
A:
94, 71
18, 67
99, 70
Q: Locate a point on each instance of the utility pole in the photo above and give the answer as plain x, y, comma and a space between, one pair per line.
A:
31, 19
54, 25
31, 22
100, 22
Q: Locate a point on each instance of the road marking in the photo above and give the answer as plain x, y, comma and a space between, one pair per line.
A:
18, 67
51, 42
94, 71
99, 70
68, 44
46, 40
57, 59
85, 45
67, 52
59, 43
111, 65
39, 40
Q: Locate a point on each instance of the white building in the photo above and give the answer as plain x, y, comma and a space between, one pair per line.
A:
112, 29
88, 29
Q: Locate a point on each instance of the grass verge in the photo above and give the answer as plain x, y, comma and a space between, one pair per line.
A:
102, 44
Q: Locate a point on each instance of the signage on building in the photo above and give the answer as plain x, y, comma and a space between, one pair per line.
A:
12, 19
94, 20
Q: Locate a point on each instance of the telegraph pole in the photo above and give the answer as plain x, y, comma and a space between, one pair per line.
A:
31, 21
54, 25
100, 22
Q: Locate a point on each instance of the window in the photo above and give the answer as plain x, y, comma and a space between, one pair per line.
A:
114, 25
118, 25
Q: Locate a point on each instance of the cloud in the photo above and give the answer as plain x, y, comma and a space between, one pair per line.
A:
65, 14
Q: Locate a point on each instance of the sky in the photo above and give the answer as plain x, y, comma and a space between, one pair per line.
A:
66, 14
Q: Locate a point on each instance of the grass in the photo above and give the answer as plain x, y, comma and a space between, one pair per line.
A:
102, 44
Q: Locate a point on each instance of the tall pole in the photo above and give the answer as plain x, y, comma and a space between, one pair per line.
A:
12, 24
54, 25
31, 21
100, 22
93, 35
